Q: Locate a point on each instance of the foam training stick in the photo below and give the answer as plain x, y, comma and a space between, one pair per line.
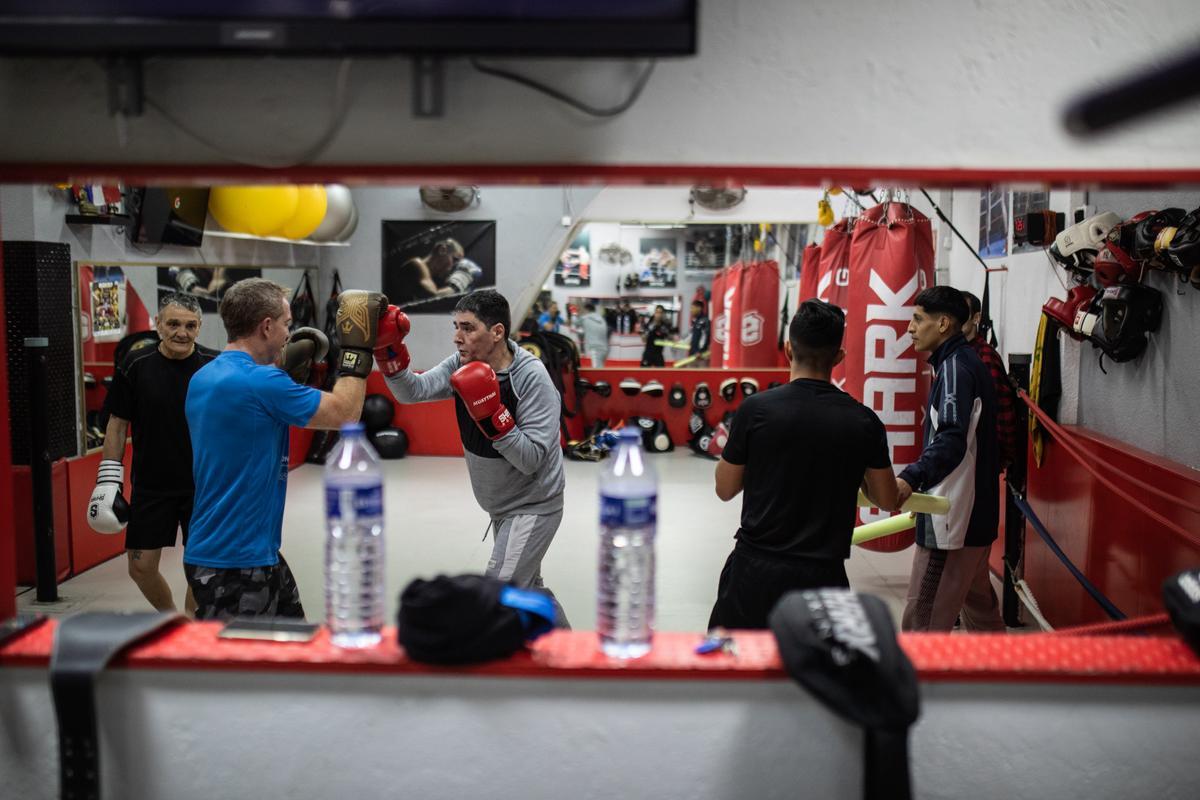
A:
884, 527
921, 503
671, 344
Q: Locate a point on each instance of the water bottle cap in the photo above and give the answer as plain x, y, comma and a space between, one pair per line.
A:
353, 427
630, 433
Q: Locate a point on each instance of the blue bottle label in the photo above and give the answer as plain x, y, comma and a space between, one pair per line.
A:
628, 512
367, 500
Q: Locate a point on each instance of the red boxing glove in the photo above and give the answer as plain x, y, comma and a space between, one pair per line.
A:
391, 354
476, 383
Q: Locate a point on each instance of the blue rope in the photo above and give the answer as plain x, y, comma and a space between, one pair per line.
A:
1090, 587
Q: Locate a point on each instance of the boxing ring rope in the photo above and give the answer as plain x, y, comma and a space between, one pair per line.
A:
1088, 586
1063, 437
1136, 625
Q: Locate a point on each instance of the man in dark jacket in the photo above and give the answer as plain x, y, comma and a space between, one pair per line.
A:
960, 462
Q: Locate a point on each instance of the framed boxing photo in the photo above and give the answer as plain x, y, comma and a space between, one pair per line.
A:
428, 265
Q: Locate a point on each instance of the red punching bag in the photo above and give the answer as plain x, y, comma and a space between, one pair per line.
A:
758, 328
731, 355
833, 279
718, 321
810, 266
891, 261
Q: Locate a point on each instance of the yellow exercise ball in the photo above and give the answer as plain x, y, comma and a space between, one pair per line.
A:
310, 210
257, 210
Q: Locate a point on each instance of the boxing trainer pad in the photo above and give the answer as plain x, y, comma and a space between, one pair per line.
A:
891, 261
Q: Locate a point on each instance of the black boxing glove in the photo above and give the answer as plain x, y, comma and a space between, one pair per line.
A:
306, 348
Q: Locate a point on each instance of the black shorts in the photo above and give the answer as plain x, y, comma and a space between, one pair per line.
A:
752, 583
154, 519
250, 592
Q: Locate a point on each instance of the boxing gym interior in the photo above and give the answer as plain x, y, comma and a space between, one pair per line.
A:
680, 176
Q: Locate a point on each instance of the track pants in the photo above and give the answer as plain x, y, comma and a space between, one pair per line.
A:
520, 542
944, 583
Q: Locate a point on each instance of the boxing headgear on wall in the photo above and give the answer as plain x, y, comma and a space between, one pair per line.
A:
1140, 234
630, 387
1076, 247
1113, 266
1124, 316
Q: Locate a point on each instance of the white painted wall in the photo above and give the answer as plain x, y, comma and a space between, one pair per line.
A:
867, 82
185, 734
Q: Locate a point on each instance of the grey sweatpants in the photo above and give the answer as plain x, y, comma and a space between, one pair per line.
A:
520, 543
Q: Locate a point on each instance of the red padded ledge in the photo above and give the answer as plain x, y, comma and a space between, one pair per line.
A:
1025, 658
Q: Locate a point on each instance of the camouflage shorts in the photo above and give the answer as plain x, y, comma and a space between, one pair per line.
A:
252, 592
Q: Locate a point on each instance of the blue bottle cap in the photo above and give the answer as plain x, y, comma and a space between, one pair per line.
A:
353, 427
630, 433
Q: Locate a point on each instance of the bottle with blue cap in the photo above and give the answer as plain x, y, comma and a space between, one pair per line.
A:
354, 543
628, 522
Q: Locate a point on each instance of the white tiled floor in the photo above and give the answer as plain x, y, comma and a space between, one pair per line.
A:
434, 525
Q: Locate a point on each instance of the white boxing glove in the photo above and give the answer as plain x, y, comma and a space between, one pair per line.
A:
107, 510
466, 273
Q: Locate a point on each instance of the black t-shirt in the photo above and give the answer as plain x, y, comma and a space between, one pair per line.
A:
805, 446
150, 390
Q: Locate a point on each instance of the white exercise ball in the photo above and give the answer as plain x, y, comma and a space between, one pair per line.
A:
348, 231
339, 206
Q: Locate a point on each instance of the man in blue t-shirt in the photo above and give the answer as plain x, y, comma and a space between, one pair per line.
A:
239, 409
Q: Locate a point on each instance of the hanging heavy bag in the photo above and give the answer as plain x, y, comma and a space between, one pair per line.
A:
841, 646
891, 261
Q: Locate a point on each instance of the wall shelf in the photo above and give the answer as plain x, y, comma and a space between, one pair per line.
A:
276, 239
99, 219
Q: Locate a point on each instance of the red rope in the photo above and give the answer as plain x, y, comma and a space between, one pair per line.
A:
1125, 476
1125, 626
1063, 437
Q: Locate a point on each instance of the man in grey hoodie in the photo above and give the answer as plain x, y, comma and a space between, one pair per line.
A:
508, 417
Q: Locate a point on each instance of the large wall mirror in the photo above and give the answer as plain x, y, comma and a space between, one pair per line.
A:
118, 301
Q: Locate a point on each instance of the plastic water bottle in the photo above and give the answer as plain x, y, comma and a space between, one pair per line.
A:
628, 521
354, 552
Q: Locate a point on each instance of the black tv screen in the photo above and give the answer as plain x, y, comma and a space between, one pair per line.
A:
167, 214
331, 27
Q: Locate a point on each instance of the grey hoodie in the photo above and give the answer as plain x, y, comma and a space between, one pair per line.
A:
522, 471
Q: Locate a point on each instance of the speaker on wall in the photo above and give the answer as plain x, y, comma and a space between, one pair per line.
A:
39, 301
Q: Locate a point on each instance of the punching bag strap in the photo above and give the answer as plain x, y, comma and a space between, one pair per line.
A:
985, 318
83, 646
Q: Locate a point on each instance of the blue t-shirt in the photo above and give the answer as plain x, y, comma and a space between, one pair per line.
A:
238, 415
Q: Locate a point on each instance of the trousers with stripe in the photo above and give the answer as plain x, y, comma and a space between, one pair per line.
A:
519, 544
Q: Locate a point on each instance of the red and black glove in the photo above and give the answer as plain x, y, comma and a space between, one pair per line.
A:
391, 353
477, 385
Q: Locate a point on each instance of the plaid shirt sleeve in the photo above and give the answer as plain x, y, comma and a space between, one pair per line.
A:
1006, 415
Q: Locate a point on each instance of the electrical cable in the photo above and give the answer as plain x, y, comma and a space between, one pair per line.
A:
336, 121
1087, 585
593, 111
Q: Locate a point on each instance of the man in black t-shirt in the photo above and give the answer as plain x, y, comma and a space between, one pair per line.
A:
656, 330
149, 389
801, 452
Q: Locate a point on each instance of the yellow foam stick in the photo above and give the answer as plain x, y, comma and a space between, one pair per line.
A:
884, 527
921, 503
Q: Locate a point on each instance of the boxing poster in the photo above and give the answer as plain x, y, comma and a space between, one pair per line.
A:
107, 294
658, 262
574, 267
891, 261
757, 325
206, 284
428, 265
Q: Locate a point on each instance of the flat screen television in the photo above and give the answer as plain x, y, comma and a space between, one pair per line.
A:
341, 27
167, 214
